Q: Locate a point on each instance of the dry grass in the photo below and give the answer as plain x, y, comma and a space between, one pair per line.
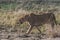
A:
11, 19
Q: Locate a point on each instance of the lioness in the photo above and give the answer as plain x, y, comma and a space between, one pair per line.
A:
38, 20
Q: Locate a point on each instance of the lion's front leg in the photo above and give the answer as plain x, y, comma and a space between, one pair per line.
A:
29, 30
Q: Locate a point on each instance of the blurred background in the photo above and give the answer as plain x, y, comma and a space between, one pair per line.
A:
12, 10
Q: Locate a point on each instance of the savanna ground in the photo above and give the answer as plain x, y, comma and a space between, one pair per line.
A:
10, 27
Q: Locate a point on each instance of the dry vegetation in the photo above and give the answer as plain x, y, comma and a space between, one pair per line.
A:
10, 19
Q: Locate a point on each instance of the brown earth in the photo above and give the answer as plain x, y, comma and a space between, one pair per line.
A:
17, 35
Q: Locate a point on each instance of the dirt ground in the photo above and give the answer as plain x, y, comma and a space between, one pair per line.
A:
6, 34
14, 36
